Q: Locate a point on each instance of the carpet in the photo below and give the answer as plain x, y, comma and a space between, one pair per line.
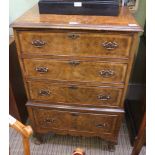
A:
64, 145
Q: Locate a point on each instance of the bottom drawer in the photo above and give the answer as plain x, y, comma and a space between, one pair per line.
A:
76, 120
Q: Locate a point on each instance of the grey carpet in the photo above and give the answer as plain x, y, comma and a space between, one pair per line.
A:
64, 145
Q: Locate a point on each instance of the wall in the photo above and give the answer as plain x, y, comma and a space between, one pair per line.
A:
136, 89
18, 7
140, 14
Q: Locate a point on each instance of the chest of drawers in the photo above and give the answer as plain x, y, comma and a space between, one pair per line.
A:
76, 70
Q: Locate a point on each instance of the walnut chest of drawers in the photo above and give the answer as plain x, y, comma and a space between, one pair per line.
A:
76, 70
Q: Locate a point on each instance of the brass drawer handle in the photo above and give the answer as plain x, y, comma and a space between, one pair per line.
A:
72, 86
107, 73
47, 120
38, 43
104, 97
73, 36
110, 45
41, 69
43, 92
74, 62
101, 125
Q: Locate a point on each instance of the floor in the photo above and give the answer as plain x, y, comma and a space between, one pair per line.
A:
64, 145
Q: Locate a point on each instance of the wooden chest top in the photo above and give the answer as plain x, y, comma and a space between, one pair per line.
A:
123, 22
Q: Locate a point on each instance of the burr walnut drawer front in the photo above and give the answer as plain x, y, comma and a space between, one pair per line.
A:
84, 122
75, 70
75, 44
75, 94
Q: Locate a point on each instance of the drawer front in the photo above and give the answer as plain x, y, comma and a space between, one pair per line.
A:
45, 43
97, 123
52, 119
75, 70
75, 94
75, 44
84, 122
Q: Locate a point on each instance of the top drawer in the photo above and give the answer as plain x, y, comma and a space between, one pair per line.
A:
75, 44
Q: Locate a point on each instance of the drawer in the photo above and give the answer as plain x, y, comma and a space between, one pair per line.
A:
75, 44
52, 119
75, 70
83, 122
75, 94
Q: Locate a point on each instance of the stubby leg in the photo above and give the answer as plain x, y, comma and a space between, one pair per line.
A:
38, 139
111, 146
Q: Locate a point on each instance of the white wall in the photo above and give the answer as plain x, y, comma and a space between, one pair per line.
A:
18, 7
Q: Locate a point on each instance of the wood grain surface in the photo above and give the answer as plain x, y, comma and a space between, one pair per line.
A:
123, 22
76, 70
76, 122
75, 94
75, 43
